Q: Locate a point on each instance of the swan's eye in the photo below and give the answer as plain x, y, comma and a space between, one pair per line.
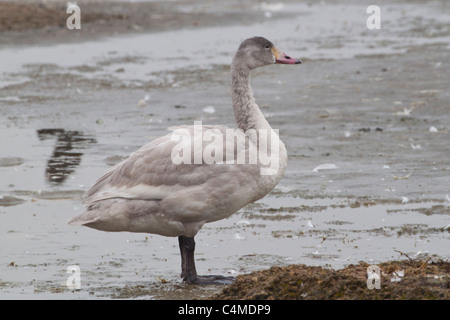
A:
267, 46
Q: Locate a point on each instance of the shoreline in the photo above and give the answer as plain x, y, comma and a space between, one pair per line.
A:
44, 23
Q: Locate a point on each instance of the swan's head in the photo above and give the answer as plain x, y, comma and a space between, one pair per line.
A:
258, 51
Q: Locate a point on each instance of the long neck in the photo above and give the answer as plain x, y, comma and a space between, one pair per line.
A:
246, 111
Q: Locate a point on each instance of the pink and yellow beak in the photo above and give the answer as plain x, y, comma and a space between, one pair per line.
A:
283, 58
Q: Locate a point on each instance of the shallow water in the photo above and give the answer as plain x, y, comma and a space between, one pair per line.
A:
314, 31
328, 232
70, 111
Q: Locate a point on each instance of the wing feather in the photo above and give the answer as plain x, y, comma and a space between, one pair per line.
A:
151, 174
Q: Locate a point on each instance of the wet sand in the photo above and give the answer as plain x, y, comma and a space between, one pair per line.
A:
372, 112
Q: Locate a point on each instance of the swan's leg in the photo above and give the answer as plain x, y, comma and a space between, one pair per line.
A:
188, 271
187, 248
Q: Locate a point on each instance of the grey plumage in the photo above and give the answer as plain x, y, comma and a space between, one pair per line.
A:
150, 193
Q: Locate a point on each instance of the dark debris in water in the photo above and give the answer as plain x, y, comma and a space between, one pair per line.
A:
10, 161
67, 152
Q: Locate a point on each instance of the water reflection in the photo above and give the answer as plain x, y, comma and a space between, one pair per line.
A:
66, 154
